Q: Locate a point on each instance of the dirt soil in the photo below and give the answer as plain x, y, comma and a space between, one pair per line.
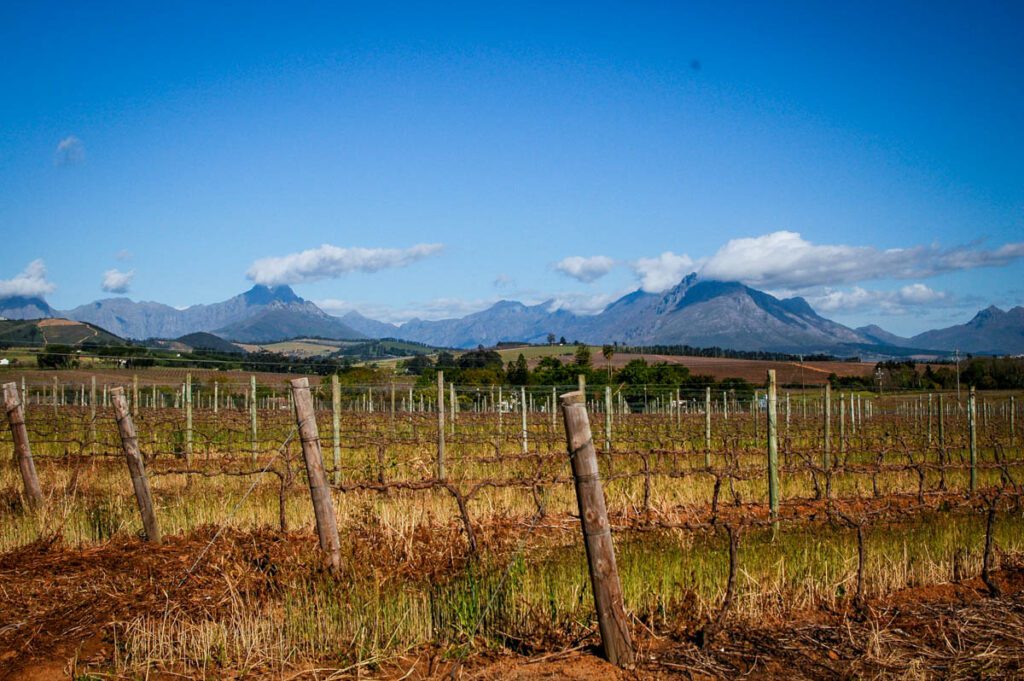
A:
58, 605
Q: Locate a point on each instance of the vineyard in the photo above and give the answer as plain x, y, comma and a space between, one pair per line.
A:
809, 532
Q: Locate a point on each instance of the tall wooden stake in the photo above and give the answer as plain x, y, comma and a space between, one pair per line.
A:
336, 426
972, 426
597, 536
136, 467
773, 447
707, 427
441, 474
319, 490
22, 449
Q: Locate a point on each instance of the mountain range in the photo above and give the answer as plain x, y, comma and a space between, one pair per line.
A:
695, 312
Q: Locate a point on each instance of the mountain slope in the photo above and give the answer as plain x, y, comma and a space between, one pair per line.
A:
504, 321
279, 321
370, 328
694, 312
243, 314
990, 331
23, 307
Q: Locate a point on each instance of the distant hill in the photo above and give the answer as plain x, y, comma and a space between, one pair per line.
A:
991, 331
877, 334
370, 328
38, 332
207, 341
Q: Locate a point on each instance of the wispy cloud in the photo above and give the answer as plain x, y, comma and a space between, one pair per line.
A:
662, 272
503, 281
70, 151
900, 300
584, 269
329, 262
30, 282
787, 260
116, 281
124, 254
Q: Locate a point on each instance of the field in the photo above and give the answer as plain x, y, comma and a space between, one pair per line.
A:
753, 370
895, 550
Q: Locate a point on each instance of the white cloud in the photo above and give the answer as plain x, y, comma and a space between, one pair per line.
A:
30, 282
786, 260
895, 301
116, 281
124, 254
583, 303
437, 308
585, 269
70, 151
329, 262
662, 272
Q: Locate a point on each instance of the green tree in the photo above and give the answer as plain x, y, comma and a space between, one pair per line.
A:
518, 372
582, 356
608, 351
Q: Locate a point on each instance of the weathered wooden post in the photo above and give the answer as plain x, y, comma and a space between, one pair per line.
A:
188, 420
92, 416
336, 426
254, 444
441, 475
522, 411
773, 448
22, 448
135, 395
319, 490
972, 426
607, 418
216, 396
707, 427
842, 423
597, 536
827, 454
136, 467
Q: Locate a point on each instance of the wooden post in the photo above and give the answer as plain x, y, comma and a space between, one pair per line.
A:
92, 416
842, 423
607, 418
972, 426
252, 418
135, 395
441, 475
136, 467
216, 396
336, 426
188, 420
319, 491
773, 447
522, 411
22, 448
827, 455
597, 536
707, 427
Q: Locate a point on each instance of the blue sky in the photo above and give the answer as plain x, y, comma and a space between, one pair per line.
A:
180, 152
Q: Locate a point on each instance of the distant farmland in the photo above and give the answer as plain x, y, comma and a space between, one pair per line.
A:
719, 368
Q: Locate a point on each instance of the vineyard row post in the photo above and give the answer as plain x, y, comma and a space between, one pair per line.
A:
319, 490
773, 447
136, 467
597, 537
22, 448
441, 475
